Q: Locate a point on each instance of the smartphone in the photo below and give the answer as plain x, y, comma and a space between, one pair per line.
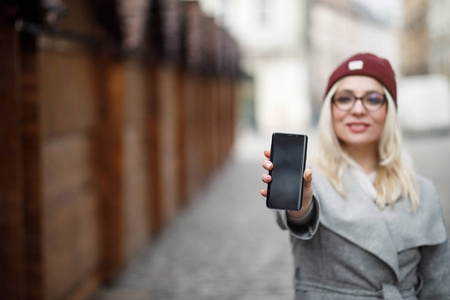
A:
288, 155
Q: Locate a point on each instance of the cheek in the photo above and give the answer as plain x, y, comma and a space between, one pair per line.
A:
380, 118
337, 117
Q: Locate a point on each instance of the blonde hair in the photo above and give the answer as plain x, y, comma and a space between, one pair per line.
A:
393, 170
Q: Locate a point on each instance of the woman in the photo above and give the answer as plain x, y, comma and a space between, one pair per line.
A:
369, 228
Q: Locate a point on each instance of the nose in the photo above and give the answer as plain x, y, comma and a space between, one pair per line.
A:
358, 108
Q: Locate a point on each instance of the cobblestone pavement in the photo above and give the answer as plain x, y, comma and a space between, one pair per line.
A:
225, 243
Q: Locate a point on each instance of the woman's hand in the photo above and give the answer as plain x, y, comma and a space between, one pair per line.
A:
307, 196
307, 187
266, 178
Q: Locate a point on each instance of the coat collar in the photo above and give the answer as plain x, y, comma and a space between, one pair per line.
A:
384, 232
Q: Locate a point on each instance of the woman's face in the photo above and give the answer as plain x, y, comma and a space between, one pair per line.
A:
359, 127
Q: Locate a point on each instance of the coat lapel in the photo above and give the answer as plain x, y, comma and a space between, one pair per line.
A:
426, 226
356, 219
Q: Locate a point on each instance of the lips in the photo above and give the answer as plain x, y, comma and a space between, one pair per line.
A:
358, 127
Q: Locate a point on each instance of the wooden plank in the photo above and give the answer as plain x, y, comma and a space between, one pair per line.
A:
110, 167
193, 131
67, 92
70, 243
70, 198
11, 173
32, 168
181, 138
136, 168
154, 205
168, 83
67, 167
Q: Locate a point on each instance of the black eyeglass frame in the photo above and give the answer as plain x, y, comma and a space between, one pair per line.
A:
352, 96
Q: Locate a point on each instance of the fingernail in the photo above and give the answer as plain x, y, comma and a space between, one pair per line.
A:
268, 165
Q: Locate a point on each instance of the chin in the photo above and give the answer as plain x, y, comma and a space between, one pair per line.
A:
355, 142
357, 139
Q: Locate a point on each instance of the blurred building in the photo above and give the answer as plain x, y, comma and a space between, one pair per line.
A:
438, 20
112, 115
339, 29
290, 47
426, 37
272, 35
415, 38
426, 67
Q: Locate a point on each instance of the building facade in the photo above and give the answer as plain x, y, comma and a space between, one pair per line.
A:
272, 35
426, 66
339, 29
414, 38
438, 55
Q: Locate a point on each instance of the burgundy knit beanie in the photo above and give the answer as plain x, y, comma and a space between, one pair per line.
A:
369, 65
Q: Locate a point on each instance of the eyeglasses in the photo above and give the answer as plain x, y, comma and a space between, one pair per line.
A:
372, 101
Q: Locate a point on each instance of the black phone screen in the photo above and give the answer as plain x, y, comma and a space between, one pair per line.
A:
288, 155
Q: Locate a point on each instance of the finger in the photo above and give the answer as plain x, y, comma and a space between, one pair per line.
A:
267, 153
266, 178
263, 192
307, 176
267, 164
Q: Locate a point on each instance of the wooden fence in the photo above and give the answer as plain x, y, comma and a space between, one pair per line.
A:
112, 115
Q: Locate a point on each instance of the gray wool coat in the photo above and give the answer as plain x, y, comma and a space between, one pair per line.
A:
351, 249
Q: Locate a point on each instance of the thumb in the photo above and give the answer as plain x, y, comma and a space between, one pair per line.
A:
307, 186
307, 177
